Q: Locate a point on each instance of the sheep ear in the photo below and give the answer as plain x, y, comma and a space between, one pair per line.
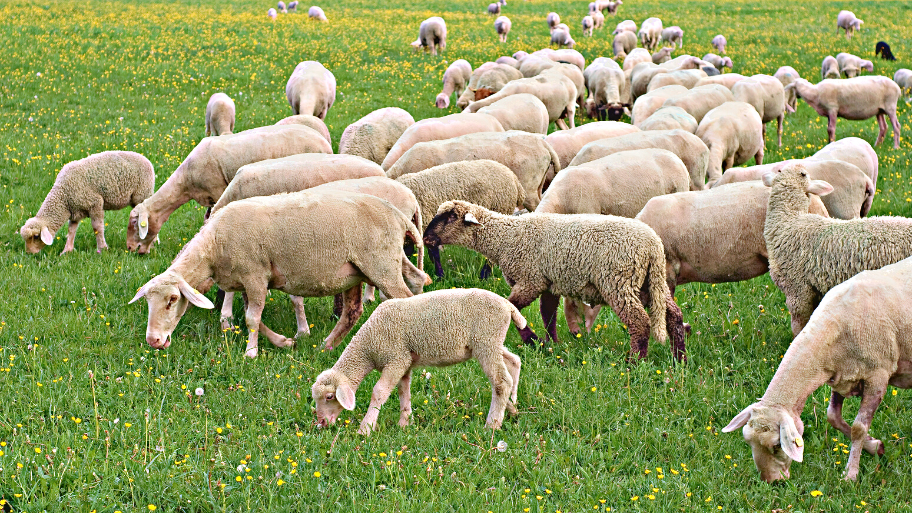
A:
768, 179
789, 108
46, 236
790, 439
193, 295
740, 420
142, 224
346, 396
141, 292
819, 187
470, 219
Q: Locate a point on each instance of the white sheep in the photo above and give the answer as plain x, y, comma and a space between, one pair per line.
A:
650, 33
272, 13
563, 56
663, 55
767, 95
700, 100
786, 75
316, 13
502, 26
567, 143
109, 180
719, 43
521, 111
685, 77
219, 115
311, 89
507, 60
308, 121
854, 98
439, 328
553, 20
674, 35
646, 104
903, 78
553, 88
851, 65
727, 80
598, 19
456, 77
535, 65
373, 136
623, 44
625, 26
561, 38
847, 21
588, 23
733, 132
858, 343
609, 91
293, 6
718, 62
282, 8
431, 35
852, 150
670, 118
434, 129
829, 68
494, 9
635, 57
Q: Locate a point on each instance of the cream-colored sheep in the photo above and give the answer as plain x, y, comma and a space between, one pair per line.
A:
502, 26
431, 34
663, 55
373, 136
733, 132
561, 37
786, 75
435, 129
645, 105
553, 20
650, 33
719, 43
244, 248
609, 91
683, 62
109, 180
316, 13
588, 24
529, 156
767, 95
553, 88
853, 150
903, 78
567, 143
308, 121
564, 55
851, 65
728, 80
509, 61
641, 75
598, 19
439, 328
670, 118
636, 56
718, 62
829, 68
685, 77
847, 21
700, 100
540, 255
625, 26
207, 170
521, 111
623, 44
219, 115
486, 80
858, 343
455, 79
533, 65
311, 89
673, 35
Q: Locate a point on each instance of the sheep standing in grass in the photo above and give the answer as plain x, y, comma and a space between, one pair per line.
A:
810, 255
110, 180
308, 121
282, 8
588, 24
311, 89
553, 20
373, 136
272, 13
718, 62
829, 68
851, 150
293, 6
598, 19
847, 21
502, 26
561, 37
439, 328
854, 98
903, 78
540, 256
851, 65
733, 132
663, 55
494, 9
858, 343
786, 75
719, 43
316, 13
625, 26
650, 33
767, 95
455, 79
431, 35
219, 115
673, 35
623, 44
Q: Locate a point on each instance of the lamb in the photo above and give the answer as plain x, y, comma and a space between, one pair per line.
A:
852, 150
689, 148
553, 88
522, 111
847, 21
829, 68
293, 6
735, 214
810, 255
486, 80
650, 33
311, 89
482, 182
673, 35
663, 55
636, 56
719, 43
612, 6
282, 8
670, 118
767, 95
718, 62
494, 9
621, 259
373, 136
598, 19
529, 156
458, 73
219, 115
903, 78
588, 23
623, 44
109, 180
431, 34
700, 100
434, 129
502, 26
859, 342
625, 26
850, 65
647, 104
609, 92
438, 328
207, 170
272, 13
553, 20
787, 75
316, 13
855, 98
728, 80
685, 77
733, 132
308, 121
561, 38
568, 143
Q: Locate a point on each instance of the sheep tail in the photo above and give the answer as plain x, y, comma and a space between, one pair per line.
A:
869, 198
518, 320
658, 296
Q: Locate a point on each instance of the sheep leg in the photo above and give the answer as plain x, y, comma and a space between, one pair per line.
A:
630, 311
97, 217
571, 315
485, 272
71, 237
834, 416
590, 313
227, 314
434, 253
405, 398
871, 396
779, 122
254, 301
674, 325
351, 312
522, 296
501, 386
369, 293
559, 122
895, 123
389, 376
548, 304
303, 327
514, 364
831, 126
758, 158
882, 125
337, 305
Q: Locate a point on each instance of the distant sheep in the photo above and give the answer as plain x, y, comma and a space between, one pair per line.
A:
316, 13
456, 77
673, 35
553, 20
494, 9
718, 62
626, 25
219, 115
883, 50
293, 6
502, 26
851, 65
588, 23
561, 38
272, 13
282, 8
903, 78
847, 21
787, 75
311, 89
829, 68
663, 55
719, 43
431, 35
650, 33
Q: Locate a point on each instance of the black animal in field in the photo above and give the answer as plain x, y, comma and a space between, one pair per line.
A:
883, 50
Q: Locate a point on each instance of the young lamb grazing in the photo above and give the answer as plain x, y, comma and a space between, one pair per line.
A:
673, 35
903, 78
718, 62
435, 129
553, 88
829, 68
561, 38
282, 8
855, 99
219, 115
847, 21
767, 95
851, 65
242, 248
567, 143
109, 180
438, 328
431, 35
883, 50
609, 91
623, 44
809, 255
293, 6
308, 121
457, 76
482, 182
316, 13
311, 89
858, 343
373, 136
522, 111
663, 55
719, 43
502, 26
733, 132
494, 9
650, 33
787, 75
207, 170
588, 23
553, 20
700, 100
272, 13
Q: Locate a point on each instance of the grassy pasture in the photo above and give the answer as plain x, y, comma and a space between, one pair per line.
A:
92, 419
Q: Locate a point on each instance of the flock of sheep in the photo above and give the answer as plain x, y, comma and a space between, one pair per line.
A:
607, 213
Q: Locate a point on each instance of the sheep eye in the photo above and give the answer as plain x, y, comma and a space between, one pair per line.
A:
330, 396
171, 301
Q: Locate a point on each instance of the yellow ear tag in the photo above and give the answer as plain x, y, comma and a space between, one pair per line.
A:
143, 224
799, 442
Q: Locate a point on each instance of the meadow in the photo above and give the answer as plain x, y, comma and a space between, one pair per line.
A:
93, 419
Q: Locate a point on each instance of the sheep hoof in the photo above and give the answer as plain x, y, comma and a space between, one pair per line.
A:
493, 424
364, 430
302, 333
403, 422
511, 409
226, 324
251, 352
874, 447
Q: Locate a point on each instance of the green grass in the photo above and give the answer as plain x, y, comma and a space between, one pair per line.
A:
92, 419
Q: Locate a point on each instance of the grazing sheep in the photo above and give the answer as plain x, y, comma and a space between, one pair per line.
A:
567, 143
733, 132
316, 13
293, 6
553, 20
207, 170
727, 80
431, 34
612, 6
282, 8
490, 77
700, 100
588, 24
719, 43
219, 115
883, 50
311, 89
663, 55
650, 33
829, 68
673, 35
598, 19
847, 21
609, 92
625, 26
439, 328
903, 78
718, 62
623, 44
522, 111
243, 248
529, 156
494, 9
670, 118
858, 343
851, 65
810, 255
457, 75
636, 56
685, 77
641, 75
767, 95
852, 150
308, 121
561, 38
482, 182
502, 26
434, 129
272, 13
109, 180
647, 104
854, 98
689, 148
786, 75
553, 88
373, 136
621, 259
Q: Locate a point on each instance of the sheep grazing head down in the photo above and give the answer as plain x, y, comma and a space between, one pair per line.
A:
774, 436
168, 296
332, 392
453, 224
141, 230
36, 235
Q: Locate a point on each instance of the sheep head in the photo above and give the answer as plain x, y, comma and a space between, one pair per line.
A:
454, 223
332, 392
482, 92
774, 436
168, 295
443, 101
36, 235
142, 229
